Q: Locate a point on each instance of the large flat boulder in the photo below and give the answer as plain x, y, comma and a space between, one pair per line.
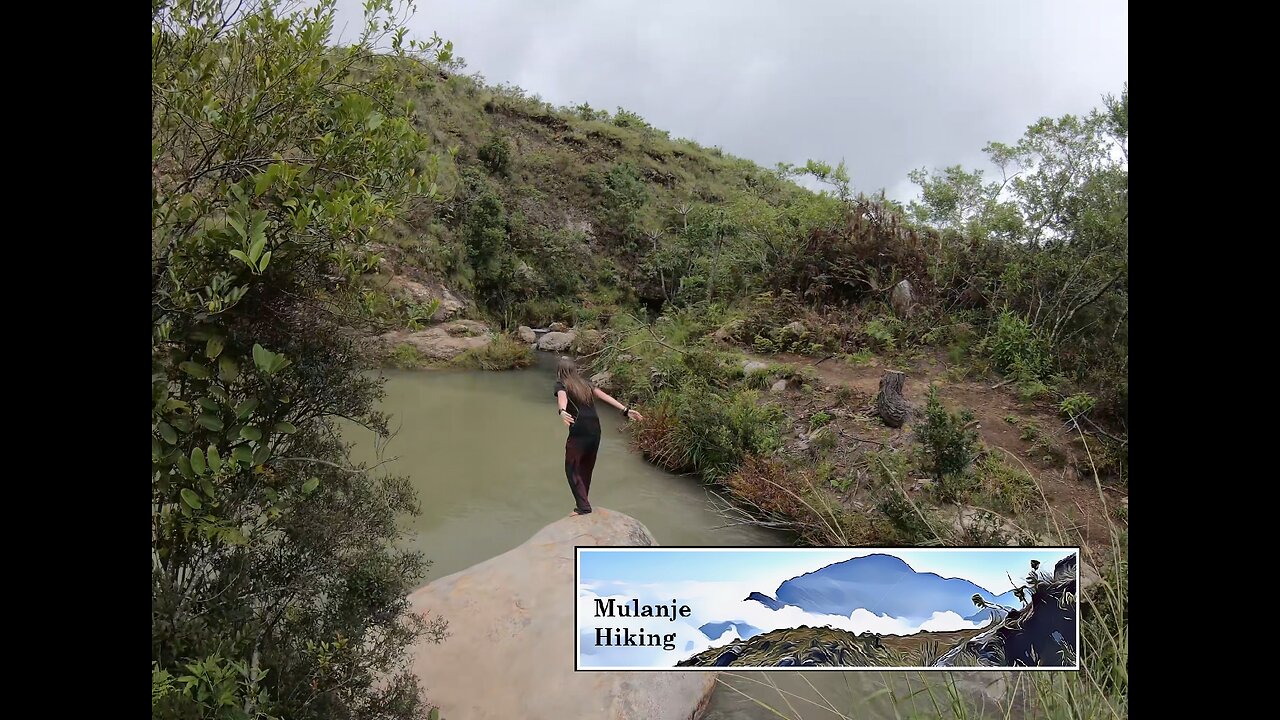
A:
442, 342
511, 644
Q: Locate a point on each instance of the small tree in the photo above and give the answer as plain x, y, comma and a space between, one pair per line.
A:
949, 443
276, 591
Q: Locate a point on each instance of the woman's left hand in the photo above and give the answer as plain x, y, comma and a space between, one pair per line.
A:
634, 415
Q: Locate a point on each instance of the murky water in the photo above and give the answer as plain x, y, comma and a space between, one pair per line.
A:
485, 453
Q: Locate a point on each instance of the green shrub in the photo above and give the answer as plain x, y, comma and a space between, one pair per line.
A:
715, 430
1032, 389
862, 357
1016, 348
949, 445
1006, 488
905, 518
1077, 405
888, 466
819, 419
955, 488
882, 334
496, 155
504, 353
406, 357
823, 441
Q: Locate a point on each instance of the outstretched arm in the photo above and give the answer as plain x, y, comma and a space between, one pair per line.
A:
632, 414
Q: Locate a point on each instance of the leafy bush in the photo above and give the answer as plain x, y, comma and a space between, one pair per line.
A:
1077, 405
496, 155
711, 431
623, 195
764, 345
406, 357
504, 353
949, 444
819, 419
908, 526
277, 160
881, 334
1017, 348
1006, 488
955, 488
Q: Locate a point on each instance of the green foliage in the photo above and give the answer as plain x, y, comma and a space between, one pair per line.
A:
623, 195
819, 419
862, 357
626, 118
1006, 488
888, 466
496, 155
1017, 348
881, 333
406, 357
276, 158
503, 353
1031, 431
948, 442
1077, 405
905, 519
955, 488
716, 430
823, 440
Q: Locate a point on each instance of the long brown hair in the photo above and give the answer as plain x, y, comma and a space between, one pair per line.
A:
576, 388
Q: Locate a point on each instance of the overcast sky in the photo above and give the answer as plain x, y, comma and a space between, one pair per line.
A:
886, 85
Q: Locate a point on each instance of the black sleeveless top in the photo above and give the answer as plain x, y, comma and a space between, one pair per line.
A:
585, 419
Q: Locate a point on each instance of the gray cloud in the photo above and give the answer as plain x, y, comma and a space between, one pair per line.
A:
887, 85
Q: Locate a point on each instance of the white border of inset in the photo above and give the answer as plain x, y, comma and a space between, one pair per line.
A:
577, 597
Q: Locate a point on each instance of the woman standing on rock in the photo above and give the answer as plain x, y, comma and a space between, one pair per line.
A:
575, 398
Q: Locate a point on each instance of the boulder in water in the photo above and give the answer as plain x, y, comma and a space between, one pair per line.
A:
508, 653
526, 335
556, 341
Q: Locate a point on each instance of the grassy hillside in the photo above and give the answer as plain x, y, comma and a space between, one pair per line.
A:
692, 264
307, 197
806, 646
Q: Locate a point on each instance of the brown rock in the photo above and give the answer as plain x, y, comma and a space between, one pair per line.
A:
556, 341
442, 342
511, 618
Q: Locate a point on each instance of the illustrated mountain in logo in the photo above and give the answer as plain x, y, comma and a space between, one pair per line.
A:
884, 585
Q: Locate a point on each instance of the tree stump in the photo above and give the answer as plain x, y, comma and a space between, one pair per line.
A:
890, 405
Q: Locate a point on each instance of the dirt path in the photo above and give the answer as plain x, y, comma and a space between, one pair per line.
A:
1030, 436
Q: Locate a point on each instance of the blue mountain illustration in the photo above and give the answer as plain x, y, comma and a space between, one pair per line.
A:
885, 585
714, 630
766, 601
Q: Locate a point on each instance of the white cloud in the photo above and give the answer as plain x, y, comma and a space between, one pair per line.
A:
889, 85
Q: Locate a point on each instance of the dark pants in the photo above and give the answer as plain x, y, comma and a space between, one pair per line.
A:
579, 461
